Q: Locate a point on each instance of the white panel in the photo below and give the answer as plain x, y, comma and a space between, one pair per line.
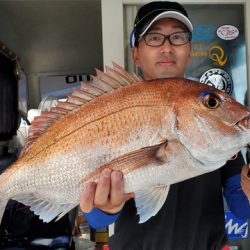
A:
112, 30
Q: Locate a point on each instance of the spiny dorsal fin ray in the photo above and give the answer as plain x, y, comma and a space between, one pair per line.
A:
79, 94
58, 110
51, 114
131, 76
123, 79
91, 88
66, 105
108, 79
101, 84
75, 100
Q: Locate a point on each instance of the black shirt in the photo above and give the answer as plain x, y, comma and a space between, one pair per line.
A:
192, 217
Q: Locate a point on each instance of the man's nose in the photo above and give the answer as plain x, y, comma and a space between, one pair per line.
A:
166, 47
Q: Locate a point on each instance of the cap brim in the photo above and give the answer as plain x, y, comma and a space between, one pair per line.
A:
171, 14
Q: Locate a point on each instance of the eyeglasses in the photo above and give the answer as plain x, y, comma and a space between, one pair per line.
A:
157, 39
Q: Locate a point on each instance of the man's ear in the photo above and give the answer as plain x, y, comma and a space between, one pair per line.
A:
135, 56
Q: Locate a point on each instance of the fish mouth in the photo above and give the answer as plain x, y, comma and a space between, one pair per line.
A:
244, 122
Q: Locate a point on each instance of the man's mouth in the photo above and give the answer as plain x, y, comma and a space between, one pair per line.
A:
166, 62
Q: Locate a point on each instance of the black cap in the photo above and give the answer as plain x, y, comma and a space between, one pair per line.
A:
151, 12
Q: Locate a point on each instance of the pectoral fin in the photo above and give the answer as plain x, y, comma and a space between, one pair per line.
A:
134, 160
149, 201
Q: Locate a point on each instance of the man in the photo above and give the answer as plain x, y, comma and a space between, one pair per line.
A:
192, 217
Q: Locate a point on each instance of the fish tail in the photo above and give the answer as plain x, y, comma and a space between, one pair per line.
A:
4, 198
3, 204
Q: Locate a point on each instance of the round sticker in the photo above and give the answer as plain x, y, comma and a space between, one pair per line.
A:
219, 79
227, 32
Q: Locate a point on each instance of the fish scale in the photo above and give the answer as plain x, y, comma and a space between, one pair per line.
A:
156, 132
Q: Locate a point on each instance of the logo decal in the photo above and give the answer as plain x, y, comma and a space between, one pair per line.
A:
198, 50
219, 79
227, 32
236, 228
216, 53
203, 33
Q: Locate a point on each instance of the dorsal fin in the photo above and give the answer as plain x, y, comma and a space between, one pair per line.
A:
123, 79
91, 88
131, 76
102, 83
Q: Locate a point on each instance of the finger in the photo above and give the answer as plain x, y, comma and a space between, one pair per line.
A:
103, 188
245, 180
87, 198
246, 190
245, 171
117, 188
128, 196
244, 186
248, 170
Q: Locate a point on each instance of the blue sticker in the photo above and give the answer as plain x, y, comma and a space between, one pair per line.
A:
203, 33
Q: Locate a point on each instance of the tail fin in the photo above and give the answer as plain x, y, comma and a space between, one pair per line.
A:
3, 204
3, 197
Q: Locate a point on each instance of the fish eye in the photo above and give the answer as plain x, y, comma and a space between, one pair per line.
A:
212, 101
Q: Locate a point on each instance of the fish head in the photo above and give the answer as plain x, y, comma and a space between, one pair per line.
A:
211, 125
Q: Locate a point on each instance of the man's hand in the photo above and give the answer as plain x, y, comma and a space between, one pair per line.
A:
245, 180
107, 195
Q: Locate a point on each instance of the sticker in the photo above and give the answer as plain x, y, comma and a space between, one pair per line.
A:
203, 33
199, 54
227, 32
217, 54
219, 79
199, 50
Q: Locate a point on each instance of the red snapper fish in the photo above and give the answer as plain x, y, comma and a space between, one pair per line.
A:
156, 132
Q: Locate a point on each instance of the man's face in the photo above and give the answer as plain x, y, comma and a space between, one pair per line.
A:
166, 60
